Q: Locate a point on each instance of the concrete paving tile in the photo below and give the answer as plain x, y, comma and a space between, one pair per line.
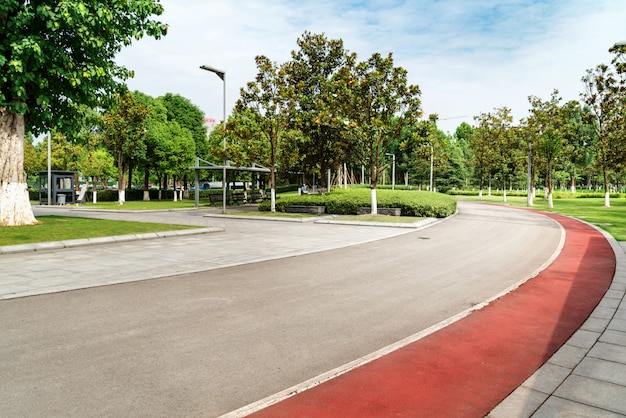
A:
617, 285
563, 408
568, 356
614, 337
610, 352
617, 325
595, 324
601, 312
519, 404
584, 339
594, 393
547, 378
607, 371
614, 293
607, 302
620, 313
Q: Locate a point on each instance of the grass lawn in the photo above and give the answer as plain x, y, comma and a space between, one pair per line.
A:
60, 228
150, 205
592, 210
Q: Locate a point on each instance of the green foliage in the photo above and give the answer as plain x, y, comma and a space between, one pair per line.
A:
125, 133
606, 97
375, 102
57, 53
313, 72
189, 117
346, 202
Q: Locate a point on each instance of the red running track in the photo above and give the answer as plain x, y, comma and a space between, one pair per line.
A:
468, 367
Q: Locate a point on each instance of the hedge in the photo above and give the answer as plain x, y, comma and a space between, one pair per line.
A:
347, 201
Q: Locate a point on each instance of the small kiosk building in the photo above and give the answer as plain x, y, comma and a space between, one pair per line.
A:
62, 190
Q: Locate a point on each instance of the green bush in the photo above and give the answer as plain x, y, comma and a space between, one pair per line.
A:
346, 202
111, 195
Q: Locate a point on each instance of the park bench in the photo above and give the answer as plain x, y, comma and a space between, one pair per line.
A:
305, 209
216, 198
380, 211
254, 197
238, 197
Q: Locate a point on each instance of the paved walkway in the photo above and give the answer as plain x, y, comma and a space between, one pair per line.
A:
466, 368
586, 377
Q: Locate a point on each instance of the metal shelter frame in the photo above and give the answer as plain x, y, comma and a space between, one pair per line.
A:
256, 168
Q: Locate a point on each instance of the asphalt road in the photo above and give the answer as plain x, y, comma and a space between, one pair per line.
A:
206, 343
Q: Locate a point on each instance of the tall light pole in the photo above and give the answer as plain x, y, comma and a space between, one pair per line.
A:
221, 74
393, 171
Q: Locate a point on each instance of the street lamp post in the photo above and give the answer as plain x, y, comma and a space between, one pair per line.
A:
221, 74
393, 171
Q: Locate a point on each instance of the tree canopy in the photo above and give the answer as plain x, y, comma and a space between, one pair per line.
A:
54, 56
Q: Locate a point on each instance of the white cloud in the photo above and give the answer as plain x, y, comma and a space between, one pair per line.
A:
467, 57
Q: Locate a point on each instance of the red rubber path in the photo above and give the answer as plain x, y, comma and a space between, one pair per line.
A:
467, 368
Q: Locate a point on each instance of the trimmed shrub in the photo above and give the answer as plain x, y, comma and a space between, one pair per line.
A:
346, 202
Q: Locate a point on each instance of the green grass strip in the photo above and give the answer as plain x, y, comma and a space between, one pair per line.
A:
61, 228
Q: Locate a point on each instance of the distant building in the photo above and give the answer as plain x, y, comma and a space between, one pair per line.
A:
209, 124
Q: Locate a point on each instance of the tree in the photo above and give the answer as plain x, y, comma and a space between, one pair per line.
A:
376, 102
580, 138
190, 117
485, 144
267, 102
125, 132
99, 165
550, 128
157, 133
312, 74
55, 55
605, 98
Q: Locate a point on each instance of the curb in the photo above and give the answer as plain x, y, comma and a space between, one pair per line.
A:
73, 243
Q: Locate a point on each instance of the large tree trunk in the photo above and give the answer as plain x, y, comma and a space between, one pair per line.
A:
15, 206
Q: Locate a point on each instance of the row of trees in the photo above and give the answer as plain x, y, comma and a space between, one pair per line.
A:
156, 138
321, 109
325, 110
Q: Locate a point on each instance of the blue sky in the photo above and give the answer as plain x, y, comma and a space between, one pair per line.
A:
467, 56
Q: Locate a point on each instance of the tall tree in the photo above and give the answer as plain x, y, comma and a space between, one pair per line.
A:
267, 101
488, 144
125, 133
580, 138
377, 102
157, 133
605, 98
312, 73
190, 117
54, 55
549, 124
